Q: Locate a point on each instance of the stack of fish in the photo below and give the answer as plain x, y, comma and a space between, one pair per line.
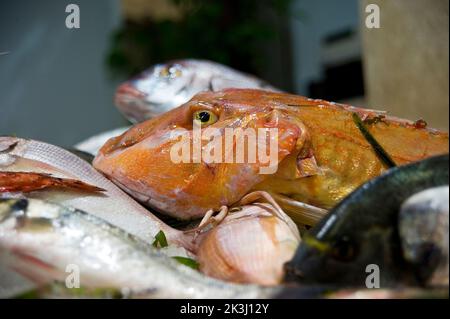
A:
333, 174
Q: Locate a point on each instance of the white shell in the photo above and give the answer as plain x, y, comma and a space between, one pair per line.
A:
250, 246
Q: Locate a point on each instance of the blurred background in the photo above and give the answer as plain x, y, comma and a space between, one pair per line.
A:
57, 84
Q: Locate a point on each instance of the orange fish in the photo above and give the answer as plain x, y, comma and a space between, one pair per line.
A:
321, 155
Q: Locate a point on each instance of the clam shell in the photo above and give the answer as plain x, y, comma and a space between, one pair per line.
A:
250, 246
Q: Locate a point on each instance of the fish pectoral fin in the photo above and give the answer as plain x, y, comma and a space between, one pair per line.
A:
301, 213
298, 166
307, 165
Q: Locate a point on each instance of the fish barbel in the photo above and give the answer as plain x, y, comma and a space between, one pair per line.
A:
165, 86
43, 239
36, 160
321, 154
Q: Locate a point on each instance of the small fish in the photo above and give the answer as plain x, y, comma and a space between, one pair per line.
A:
113, 205
44, 240
362, 231
423, 227
168, 85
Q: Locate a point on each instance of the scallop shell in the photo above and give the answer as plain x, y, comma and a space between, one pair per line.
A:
250, 246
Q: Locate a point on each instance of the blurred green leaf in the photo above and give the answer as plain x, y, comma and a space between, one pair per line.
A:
187, 261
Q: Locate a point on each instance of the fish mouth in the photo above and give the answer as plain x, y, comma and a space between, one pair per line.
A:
138, 106
132, 103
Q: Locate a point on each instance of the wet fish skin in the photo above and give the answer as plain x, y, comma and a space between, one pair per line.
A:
362, 230
107, 256
167, 85
424, 231
322, 155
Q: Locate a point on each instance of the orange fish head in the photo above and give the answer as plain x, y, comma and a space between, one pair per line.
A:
206, 153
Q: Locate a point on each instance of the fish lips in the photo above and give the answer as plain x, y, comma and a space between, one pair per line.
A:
138, 106
131, 102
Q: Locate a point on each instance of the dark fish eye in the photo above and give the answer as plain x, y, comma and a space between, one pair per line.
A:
205, 117
344, 249
175, 70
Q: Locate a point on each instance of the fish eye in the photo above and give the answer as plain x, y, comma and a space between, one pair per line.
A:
205, 117
344, 249
170, 71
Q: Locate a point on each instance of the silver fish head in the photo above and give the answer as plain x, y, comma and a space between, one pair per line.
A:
424, 229
166, 86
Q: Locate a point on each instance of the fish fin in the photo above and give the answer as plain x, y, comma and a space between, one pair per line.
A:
307, 165
301, 213
302, 163
29, 181
299, 166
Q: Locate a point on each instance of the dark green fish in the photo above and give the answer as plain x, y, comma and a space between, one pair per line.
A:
362, 230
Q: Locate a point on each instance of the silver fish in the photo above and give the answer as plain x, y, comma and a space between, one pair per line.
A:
166, 86
43, 239
423, 228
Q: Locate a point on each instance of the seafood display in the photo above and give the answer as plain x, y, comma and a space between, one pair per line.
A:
166, 86
44, 238
235, 193
37, 159
321, 155
41, 238
381, 224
